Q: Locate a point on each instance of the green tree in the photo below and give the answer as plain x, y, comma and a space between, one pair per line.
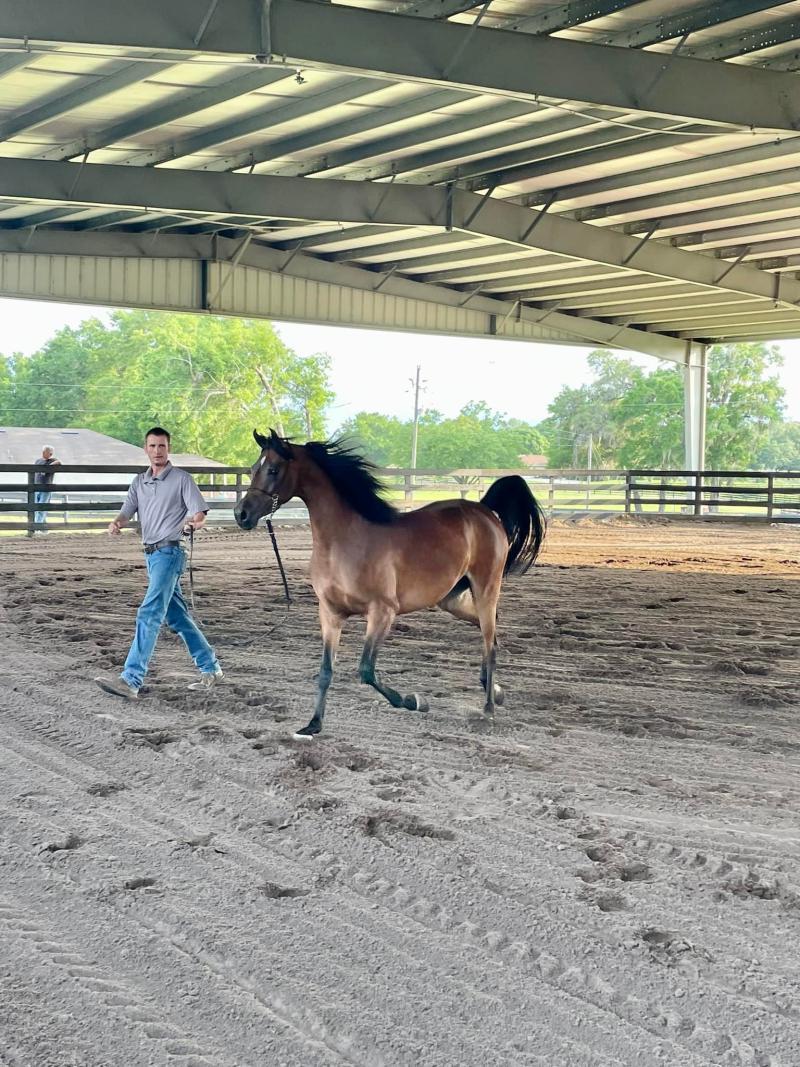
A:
589, 413
209, 379
744, 402
780, 450
650, 421
477, 437
384, 439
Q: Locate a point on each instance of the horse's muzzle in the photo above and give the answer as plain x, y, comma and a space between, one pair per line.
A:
245, 518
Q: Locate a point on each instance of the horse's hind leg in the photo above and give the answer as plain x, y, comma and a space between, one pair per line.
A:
331, 625
379, 622
486, 607
462, 605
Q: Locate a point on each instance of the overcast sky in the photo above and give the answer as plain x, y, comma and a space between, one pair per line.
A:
371, 370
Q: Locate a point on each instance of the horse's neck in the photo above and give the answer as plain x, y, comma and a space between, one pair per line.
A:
330, 516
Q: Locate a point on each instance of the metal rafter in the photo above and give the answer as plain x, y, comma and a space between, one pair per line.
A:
50, 242
366, 42
100, 86
151, 118
673, 27
743, 43
362, 203
565, 16
255, 122
443, 162
364, 122
783, 153
390, 145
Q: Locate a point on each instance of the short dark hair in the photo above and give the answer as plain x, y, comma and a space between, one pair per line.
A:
157, 431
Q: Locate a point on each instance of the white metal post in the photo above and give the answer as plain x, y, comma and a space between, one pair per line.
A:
695, 378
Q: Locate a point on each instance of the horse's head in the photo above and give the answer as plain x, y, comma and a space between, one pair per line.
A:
272, 479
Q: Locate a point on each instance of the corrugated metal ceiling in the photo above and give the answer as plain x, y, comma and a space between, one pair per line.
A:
719, 191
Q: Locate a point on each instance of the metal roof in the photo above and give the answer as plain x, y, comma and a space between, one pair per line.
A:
623, 172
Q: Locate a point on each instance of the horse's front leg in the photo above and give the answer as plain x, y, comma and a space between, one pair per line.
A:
331, 624
379, 622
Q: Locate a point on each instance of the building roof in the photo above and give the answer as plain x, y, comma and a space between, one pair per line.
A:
24, 444
617, 172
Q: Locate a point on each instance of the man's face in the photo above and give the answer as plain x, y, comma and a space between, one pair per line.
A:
47, 453
157, 449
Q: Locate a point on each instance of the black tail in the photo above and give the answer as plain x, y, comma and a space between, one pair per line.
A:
516, 507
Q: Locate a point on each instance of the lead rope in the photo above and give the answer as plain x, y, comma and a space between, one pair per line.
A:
271, 532
191, 571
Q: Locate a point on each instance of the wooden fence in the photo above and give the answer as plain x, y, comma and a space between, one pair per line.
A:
86, 497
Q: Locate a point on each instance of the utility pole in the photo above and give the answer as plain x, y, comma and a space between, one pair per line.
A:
415, 381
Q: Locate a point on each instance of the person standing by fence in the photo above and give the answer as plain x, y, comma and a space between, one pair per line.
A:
167, 501
44, 480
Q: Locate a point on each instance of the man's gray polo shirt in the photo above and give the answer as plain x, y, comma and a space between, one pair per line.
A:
164, 503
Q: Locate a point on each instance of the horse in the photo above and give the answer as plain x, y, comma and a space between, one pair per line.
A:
370, 559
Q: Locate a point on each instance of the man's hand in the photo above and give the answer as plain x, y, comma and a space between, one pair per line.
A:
113, 527
196, 522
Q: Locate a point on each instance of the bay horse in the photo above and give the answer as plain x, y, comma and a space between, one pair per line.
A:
370, 559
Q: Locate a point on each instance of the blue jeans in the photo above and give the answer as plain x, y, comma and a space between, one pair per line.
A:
163, 602
41, 497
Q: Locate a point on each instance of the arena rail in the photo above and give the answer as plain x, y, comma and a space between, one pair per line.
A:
86, 496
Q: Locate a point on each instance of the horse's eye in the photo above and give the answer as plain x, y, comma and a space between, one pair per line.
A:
272, 471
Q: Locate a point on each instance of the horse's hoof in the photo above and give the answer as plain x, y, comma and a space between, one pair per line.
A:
416, 702
308, 733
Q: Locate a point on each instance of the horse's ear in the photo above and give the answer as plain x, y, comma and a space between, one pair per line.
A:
280, 445
261, 440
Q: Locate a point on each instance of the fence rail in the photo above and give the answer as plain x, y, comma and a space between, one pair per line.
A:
85, 496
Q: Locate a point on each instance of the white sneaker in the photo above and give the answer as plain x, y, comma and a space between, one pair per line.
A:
117, 687
207, 680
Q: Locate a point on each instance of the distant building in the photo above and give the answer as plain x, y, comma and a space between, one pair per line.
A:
533, 461
24, 444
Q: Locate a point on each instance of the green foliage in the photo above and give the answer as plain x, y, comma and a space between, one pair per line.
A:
635, 418
780, 450
743, 403
650, 417
210, 380
477, 437
590, 412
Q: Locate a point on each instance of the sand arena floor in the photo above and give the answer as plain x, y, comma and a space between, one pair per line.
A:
609, 876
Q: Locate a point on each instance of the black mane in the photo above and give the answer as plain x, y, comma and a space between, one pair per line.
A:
353, 478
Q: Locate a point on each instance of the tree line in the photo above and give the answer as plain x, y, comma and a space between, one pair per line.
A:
211, 379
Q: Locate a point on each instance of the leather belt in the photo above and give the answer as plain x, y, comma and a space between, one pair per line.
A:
149, 549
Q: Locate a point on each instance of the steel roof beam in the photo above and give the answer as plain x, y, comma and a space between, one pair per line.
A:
785, 153
149, 119
741, 44
688, 222
255, 122
103, 85
364, 203
436, 9
371, 120
378, 44
564, 16
199, 247
701, 325
597, 280
11, 61
486, 142
703, 17
602, 146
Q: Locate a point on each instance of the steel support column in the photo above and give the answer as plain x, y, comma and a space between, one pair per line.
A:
695, 380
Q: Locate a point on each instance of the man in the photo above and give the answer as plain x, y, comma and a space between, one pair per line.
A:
44, 479
168, 501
